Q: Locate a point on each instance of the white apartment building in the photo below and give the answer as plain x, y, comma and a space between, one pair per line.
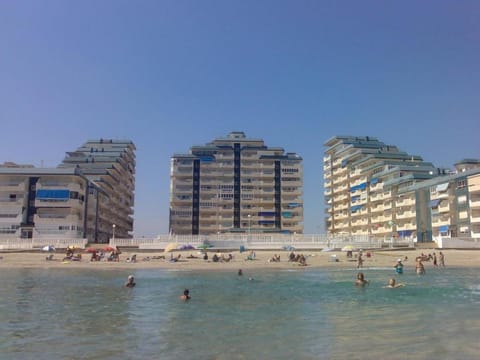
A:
236, 184
375, 189
90, 195
38, 203
110, 166
363, 177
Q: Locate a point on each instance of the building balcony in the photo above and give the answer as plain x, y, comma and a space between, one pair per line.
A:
71, 203
444, 207
405, 202
406, 215
474, 203
440, 222
11, 202
376, 209
12, 187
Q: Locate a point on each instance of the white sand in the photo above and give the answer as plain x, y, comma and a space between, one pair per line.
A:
315, 259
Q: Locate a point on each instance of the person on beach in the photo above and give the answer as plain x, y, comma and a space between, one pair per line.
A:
359, 261
361, 280
419, 268
392, 284
435, 260
130, 282
441, 259
186, 295
399, 267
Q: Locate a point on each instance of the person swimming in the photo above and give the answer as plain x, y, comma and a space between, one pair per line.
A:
361, 280
392, 284
186, 295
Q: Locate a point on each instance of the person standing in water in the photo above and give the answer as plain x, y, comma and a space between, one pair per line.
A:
419, 268
399, 267
441, 259
130, 282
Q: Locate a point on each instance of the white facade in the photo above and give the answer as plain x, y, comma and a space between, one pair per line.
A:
46, 203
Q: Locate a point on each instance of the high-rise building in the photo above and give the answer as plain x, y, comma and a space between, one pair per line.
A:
375, 189
42, 203
364, 179
110, 166
90, 195
236, 184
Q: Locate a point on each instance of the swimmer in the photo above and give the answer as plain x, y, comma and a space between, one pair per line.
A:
240, 272
361, 280
393, 285
185, 295
130, 282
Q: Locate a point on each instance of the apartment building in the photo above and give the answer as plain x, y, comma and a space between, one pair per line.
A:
363, 179
89, 195
110, 166
375, 189
236, 184
38, 202
448, 206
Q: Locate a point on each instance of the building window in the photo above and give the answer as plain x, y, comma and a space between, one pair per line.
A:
461, 184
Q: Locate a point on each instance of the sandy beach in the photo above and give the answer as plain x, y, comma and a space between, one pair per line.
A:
314, 259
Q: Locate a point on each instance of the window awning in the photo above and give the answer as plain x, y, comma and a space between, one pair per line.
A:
442, 187
43, 194
356, 208
374, 181
362, 186
434, 203
404, 233
443, 229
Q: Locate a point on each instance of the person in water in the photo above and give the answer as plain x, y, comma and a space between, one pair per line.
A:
392, 284
419, 268
361, 280
130, 282
240, 272
186, 295
399, 267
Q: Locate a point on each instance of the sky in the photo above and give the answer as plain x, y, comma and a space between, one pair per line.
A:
171, 74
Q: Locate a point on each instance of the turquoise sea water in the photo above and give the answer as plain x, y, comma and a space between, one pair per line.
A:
301, 314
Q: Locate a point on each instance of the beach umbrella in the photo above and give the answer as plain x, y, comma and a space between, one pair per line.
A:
109, 248
49, 248
170, 247
91, 250
348, 248
186, 247
204, 246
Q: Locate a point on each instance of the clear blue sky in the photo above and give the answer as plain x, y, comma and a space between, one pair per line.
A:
170, 74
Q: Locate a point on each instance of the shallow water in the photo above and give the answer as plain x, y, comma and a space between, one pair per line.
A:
303, 314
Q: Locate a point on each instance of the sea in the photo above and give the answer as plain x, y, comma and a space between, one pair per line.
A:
306, 313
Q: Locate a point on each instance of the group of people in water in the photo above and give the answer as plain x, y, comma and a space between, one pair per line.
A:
419, 269
362, 282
